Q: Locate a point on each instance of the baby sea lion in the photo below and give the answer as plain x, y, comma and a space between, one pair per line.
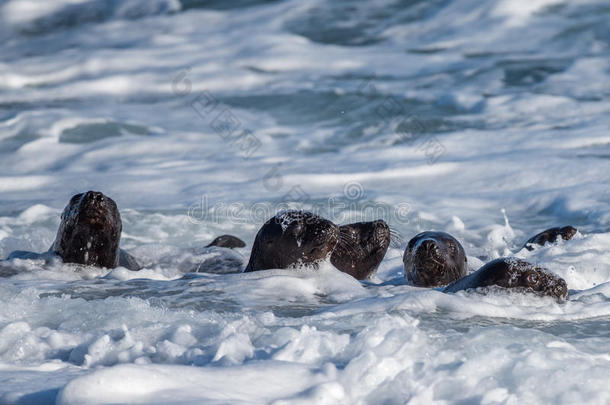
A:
90, 233
434, 259
227, 241
514, 273
361, 248
213, 259
292, 238
550, 236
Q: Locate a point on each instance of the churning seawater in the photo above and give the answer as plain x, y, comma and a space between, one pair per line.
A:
489, 120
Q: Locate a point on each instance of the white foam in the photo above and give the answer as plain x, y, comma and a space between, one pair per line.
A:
515, 93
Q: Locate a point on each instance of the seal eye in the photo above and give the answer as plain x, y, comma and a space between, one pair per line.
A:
532, 279
452, 249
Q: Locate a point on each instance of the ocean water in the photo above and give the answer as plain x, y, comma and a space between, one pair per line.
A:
489, 120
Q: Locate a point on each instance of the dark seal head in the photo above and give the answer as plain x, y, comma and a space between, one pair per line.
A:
514, 273
90, 231
550, 236
292, 238
361, 248
434, 259
227, 241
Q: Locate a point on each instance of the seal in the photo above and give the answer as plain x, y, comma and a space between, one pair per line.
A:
434, 259
227, 241
550, 236
213, 259
514, 273
128, 261
292, 238
361, 248
90, 232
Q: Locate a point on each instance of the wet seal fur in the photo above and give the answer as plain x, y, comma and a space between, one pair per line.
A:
550, 236
361, 248
292, 238
514, 273
90, 233
434, 259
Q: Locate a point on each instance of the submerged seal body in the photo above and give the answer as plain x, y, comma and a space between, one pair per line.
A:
361, 248
514, 273
227, 241
292, 238
434, 259
550, 236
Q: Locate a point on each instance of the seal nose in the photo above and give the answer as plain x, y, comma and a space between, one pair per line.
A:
94, 196
561, 290
429, 246
568, 232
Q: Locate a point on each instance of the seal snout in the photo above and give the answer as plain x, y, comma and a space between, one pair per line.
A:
429, 248
428, 255
561, 289
94, 196
568, 232
93, 199
95, 207
554, 286
360, 247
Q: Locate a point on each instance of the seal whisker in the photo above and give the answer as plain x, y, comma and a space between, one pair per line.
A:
349, 244
396, 238
361, 248
433, 260
346, 246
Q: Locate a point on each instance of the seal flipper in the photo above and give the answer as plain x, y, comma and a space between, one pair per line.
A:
227, 241
128, 261
513, 273
550, 236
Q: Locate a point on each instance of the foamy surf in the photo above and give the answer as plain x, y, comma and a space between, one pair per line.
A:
488, 121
